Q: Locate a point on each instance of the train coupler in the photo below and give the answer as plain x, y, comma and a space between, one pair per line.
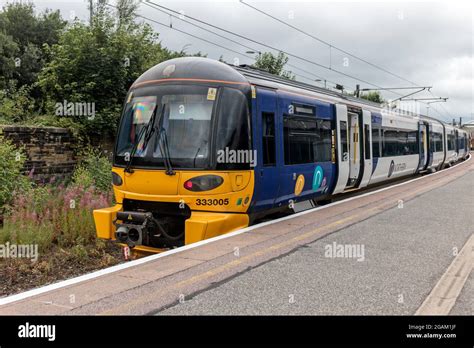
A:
133, 227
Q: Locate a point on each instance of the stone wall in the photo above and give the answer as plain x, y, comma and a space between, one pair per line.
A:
49, 150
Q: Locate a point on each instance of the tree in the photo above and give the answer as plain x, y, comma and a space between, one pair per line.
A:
29, 32
373, 96
274, 64
8, 52
97, 64
126, 10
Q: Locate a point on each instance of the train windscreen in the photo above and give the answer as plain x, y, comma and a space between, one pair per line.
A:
175, 122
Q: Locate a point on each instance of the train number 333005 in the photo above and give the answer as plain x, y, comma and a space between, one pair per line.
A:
212, 201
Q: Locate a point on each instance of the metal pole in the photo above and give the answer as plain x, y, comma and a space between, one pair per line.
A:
91, 11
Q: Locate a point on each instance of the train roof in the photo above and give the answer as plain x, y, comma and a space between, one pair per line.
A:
199, 68
264, 78
196, 68
261, 77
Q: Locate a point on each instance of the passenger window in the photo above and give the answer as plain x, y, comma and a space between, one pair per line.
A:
450, 142
376, 139
367, 141
268, 138
307, 140
399, 143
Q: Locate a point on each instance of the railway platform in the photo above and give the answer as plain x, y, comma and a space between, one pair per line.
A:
403, 249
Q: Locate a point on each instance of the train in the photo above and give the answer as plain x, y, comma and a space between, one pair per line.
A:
205, 148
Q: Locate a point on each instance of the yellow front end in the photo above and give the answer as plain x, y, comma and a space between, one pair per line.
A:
213, 212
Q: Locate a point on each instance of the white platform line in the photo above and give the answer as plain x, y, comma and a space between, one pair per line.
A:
113, 269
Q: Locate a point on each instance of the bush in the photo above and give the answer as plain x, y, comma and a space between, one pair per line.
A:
12, 179
16, 105
50, 216
95, 170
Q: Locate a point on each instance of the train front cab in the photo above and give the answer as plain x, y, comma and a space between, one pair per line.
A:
207, 191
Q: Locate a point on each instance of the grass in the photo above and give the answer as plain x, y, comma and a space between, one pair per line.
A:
59, 220
53, 216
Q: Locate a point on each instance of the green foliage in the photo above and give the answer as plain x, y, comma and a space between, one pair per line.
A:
16, 104
17, 233
373, 96
94, 171
23, 35
53, 216
8, 52
126, 11
97, 64
61, 63
12, 180
76, 128
274, 64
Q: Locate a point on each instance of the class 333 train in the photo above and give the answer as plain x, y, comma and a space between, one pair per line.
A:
205, 148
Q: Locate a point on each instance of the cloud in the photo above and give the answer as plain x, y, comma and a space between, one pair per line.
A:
430, 43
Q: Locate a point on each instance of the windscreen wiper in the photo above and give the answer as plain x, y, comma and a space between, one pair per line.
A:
165, 151
148, 131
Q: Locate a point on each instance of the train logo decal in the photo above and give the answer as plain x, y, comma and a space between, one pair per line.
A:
396, 168
392, 167
299, 185
318, 178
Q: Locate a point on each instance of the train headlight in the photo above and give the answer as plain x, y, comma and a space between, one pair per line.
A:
116, 179
203, 183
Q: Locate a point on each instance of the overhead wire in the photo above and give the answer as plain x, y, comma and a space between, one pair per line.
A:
171, 11
265, 45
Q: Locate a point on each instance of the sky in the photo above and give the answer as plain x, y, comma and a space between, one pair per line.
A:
425, 42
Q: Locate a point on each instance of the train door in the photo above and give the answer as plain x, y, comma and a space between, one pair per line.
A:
423, 145
366, 155
342, 148
354, 148
457, 142
267, 175
429, 144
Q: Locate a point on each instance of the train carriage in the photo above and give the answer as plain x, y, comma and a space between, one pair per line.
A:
205, 148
